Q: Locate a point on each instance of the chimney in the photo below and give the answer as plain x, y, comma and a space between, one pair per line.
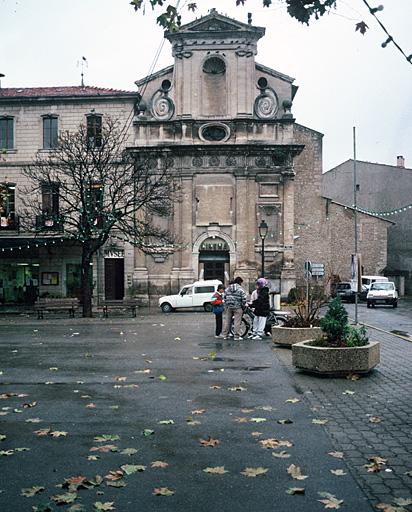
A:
400, 162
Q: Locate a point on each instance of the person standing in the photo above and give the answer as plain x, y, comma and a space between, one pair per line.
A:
217, 305
235, 301
261, 307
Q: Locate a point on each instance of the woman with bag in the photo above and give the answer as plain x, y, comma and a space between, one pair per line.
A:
217, 305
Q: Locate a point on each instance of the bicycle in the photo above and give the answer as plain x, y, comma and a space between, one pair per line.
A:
275, 317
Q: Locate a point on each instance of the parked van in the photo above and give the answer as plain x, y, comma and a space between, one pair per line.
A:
367, 282
198, 294
382, 293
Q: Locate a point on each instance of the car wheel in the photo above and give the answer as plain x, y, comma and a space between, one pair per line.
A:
373, 304
166, 307
207, 307
368, 304
395, 304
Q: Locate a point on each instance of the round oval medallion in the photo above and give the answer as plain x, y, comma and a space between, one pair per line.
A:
214, 132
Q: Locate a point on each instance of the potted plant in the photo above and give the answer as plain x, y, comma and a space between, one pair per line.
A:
340, 348
304, 324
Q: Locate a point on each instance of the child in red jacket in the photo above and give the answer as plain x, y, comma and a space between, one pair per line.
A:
217, 304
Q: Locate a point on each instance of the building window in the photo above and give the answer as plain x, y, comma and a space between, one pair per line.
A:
50, 136
50, 199
6, 132
94, 130
7, 206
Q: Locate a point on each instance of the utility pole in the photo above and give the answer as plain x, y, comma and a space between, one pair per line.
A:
355, 190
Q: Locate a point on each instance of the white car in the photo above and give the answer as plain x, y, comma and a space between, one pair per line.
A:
382, 293
198, 294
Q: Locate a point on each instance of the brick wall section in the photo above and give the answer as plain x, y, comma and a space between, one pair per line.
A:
326, 230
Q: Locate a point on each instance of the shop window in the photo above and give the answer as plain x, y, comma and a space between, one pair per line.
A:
94, 130
50, 132
8, 219
6, 132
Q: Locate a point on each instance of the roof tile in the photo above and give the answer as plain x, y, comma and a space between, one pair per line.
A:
63, 91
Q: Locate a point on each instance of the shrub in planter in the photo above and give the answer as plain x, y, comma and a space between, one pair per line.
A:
307, 306
336, 330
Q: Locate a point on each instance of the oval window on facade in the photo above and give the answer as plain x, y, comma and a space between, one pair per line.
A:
212, 132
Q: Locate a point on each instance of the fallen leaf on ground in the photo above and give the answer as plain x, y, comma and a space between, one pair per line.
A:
292, 401
34, 420
199, 411
217, 470
237, 388
258, 420
147, 432
296, 490
43, 432
106, 437
281, 455
162, 377
32, 491
114, 475
120, 379
254, 472
104, 448
163, 491
78, 507
264, 408
91, 406
353, 376
285, 422
215, 387
166, 422
316, 421
129, 469
295, 472
191, 421
28, 405
58, 433
159, 464
146, 370
403, 502
6, 453
386, 507
330, 500
93, 457
241, 420
256, 434
375, 419
108, 505
246, 411
337, 455
129, 451
53, 369
209, 442
2, 437
348, 392
275, 443
375, 465
338, 472
63, 499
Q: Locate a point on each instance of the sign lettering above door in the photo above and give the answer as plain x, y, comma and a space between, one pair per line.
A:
114, 253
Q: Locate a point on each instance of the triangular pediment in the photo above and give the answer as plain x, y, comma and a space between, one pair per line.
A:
215, 22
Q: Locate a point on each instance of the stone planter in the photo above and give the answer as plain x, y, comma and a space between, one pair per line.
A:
335, 361
287, 336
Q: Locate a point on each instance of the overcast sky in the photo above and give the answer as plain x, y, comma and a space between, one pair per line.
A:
345, 79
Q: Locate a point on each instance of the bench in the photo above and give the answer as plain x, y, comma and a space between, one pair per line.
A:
49, 304
130, 304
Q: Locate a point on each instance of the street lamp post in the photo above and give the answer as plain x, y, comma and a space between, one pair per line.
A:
263, 231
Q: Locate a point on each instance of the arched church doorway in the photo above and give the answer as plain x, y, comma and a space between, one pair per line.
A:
214, 259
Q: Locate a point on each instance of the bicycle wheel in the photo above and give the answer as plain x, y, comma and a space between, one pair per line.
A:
244, 328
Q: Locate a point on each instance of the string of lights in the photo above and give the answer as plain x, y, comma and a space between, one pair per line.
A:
390, 39
395, 211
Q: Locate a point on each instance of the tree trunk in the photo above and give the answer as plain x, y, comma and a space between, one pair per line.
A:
86, 281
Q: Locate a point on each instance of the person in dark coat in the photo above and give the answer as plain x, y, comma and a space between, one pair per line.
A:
261, 308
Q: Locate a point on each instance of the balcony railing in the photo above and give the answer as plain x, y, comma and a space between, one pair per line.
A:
9, 223
47, 222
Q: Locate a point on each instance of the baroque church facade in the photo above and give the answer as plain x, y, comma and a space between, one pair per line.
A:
226, 126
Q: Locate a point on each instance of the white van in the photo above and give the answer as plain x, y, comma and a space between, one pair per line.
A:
367, 282
193, 295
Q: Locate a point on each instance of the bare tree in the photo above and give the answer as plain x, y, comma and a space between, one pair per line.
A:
91, 187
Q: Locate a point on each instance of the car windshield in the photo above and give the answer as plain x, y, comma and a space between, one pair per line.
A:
382, 286
343, 286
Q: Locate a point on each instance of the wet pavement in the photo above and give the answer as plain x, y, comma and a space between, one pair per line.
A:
150, 403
